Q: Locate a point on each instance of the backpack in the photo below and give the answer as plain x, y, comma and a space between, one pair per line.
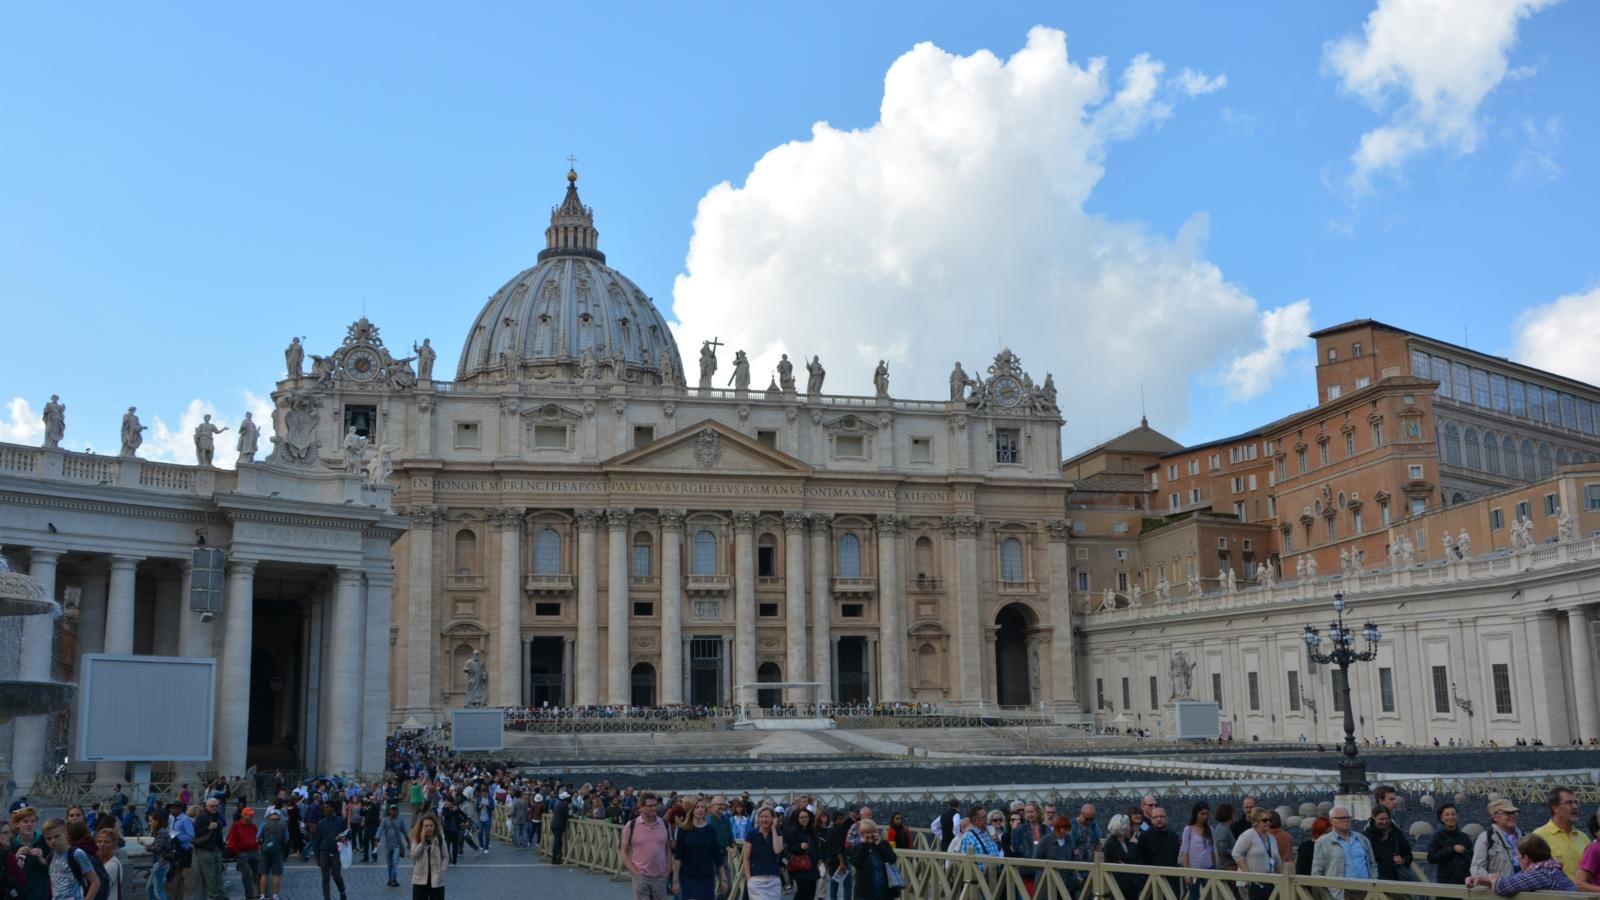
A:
77, 870
271, 838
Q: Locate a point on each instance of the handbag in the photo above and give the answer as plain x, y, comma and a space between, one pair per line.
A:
893, 876
800, 862
346, 856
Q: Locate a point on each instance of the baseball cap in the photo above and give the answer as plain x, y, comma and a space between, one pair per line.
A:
1499, 806
565, 795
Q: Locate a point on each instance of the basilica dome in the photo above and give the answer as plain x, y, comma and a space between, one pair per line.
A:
571, 315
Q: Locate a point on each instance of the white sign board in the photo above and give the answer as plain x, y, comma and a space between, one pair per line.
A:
1199, 719
477, 730
146, 708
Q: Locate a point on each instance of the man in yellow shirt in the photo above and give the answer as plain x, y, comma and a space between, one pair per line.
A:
1561, 832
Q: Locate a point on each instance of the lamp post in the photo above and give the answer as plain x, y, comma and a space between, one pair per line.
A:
1352, 771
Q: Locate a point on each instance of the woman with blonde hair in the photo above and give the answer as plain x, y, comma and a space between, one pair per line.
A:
429, 858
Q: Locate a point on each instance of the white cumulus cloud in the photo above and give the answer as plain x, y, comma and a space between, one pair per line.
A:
955, 225
1427, 65
1558, 336
1283, 332
1197, 83
20, 424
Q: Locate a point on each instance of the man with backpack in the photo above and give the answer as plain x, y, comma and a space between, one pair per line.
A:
72, 871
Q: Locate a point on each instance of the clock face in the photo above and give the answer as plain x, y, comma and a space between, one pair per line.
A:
1007, 391
361, 364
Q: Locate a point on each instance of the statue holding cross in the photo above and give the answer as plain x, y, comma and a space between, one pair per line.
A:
708, 362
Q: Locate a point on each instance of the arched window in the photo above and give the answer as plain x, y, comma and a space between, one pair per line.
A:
547, 553
1561, 457
1509, 446
1546, 464
1470, 439
767, 556
1491, 453
705, 554
1452, 445
644, 684
849, 556
1010, 559
924, 558
466, 552
1530, 469
642, 545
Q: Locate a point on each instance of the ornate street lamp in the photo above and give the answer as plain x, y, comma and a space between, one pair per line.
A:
1352, 771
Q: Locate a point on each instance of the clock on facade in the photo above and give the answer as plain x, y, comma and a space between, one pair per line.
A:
362, 364
1007, 392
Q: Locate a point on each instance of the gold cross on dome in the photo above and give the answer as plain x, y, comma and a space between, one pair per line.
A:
572, 162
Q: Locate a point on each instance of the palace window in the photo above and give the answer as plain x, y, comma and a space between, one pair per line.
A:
643, 434
1377, 435
467, 436
1127, 695
1294, 690
1508, 448
1469, 439
1155, 693
1011, 560
704, 558
1355, 349
1099, 693
1253, 683
1323, 450
1216, 688
1300, 456
1497, 519
1529, 467
1441, 690
1350, 443
766, 556
1591, 497
1535, 403
1452, 445
1552, 504
1491, 453
1546, 464
922, 450
1386, 689
547, 552
641, 555
1501, 674
362, 417
849, 556
1007, 446
1519, 400
1523, 510
1083, 580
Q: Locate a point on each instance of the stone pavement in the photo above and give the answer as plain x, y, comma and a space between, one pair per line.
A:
501, 871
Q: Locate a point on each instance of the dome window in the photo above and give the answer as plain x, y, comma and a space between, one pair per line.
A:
585, 318
544, 318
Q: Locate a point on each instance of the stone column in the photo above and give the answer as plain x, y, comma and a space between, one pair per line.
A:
833, 665
375, 678
968, 648
169, 609
672, 656
343, 685
118, 637
421, 634
794, 602
727, 671
1063, 692
38, 642
588, 609
891, 611
92, 612
566, 671
744, 604
504, 687
874, 692
822, 670
617, 681
1581, 635
233, 676
312, 678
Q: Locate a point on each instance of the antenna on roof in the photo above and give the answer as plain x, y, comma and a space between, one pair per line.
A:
1144, 421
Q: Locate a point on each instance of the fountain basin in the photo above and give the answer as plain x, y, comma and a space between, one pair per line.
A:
33, 698
23, 596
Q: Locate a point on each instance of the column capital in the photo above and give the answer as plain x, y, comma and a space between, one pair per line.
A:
821, 524
506, 518
671, 518
39, 555
588, 519
240, 567
421, 516
348, 575
618, 517
1057, 529
890, 524
744, 520
125, 561
963, 526
795, 520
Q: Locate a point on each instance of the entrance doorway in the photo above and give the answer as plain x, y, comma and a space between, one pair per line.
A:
852, 686
279, 624
1011, 665
547, 677
705, 671
767, 698
644, 684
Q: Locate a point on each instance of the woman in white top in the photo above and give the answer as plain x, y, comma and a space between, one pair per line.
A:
106, 841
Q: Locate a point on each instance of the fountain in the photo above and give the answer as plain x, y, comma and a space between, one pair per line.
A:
23, 596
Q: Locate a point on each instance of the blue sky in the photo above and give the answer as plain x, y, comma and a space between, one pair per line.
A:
185, 187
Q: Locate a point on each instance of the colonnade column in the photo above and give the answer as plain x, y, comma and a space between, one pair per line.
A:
969, 630
118, 636
822, 665
375, 680
420, 630
588, 648
671, 680
1581, 635
794, 602
507, 684
38, 642
93, 589
343, 684
891, 609
617, 681
1063, 691
744, 604
169, 608
233, 679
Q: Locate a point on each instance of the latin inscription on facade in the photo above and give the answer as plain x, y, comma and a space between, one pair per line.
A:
718, 488
296, 536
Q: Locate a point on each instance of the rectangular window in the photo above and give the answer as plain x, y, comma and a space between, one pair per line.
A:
1155, 696
1194, 495
1099, 693
1122, 582
1362, 382
1377, 435
643, 609
1172, 472
1119, 528
1497, 391
1127, 695
1194, 467
1272, 507
549, 437
1283, 470
1333, 529
1254, 684
643, 434
1222, 543
1419, 364
1441, 690
767, 610
1519, 403
1552, 407
1585, 416
1355, 349
1238, 484
1383, 512
922, 450
1480, 388
1216, 688
1083, 580
1338, 690
1591, 497
1463, 386
852, 610
1497, 519
1569, 412
1294, 691
1238, 510
1523, 510
1333, 391
1007, 446
1552, 505
1288, 540
1333, 354
1441, 374
1175, 501
1216, 461
1501, 673
467, 436
1357, 515
1415, 472
1323, 449
1386, 689
547, 609
854, 446
641, 560
1251, 482
1535, 403
1122, 555
1301, 456
1350, 443
1418, 505
767, 438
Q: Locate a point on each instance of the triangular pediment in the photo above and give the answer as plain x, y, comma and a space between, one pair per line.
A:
708, 447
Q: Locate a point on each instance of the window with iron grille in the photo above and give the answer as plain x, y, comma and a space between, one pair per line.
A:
1386, 689
1441, 690
1502, 688
1254, 680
